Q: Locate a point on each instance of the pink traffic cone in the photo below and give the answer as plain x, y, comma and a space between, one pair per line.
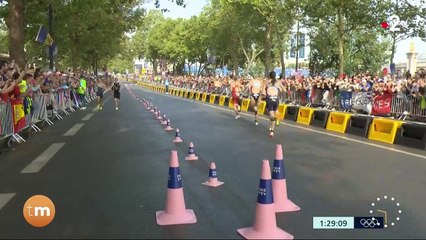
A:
164, 122
159, 117
152, 109
212, 182
168, 126
175, 212
279, 184
191, 153
155, 111
265, 223
177, 137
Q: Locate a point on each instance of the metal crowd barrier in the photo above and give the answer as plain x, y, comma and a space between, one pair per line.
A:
60, 102
401, 106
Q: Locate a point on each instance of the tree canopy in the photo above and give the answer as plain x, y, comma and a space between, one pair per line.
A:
344, 35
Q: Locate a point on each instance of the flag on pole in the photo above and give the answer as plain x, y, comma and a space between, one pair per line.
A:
44, 37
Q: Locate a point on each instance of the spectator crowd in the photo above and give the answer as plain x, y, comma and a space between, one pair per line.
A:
408, 94
29, 95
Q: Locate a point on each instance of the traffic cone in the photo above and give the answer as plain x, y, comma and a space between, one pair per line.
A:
152, 109
159, 117
168, 126
164, 122
212, 182
265, 223
191, 153
177, 137
279, 184
155, 111
175, 212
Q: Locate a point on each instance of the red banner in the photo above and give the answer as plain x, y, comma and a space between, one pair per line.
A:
382, 104
18, 115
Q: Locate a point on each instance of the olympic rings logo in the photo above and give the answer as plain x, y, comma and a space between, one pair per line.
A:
369, 223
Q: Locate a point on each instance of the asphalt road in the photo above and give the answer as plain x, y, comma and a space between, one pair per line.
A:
109, 176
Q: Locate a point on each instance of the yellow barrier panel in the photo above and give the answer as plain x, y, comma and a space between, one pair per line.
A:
245, 104
384, 130
177, 92
222, 100
181, 93
261, 108
212, 98
305, 115
282, 108
197, 96
185, 94
338, 121
231, 103
191, 95
204, 97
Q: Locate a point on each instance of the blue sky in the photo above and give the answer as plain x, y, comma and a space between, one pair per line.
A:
194, 7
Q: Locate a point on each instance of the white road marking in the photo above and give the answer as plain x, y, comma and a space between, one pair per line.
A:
5, 198
87, 117
299, 127
74, 129
37, 164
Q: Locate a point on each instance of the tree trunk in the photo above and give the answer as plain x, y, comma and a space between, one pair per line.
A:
268, 47
340, 29
282, 60
154, 66
234, 55
281, 51
15, 24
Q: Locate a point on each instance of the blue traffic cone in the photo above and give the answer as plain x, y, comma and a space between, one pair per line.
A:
212, 182
265, 224
279, 184
177, 138
191, 153
168, 126
175, 212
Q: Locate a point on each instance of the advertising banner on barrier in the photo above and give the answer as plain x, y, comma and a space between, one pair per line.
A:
18, 115
382, 104
346, 100
362, 101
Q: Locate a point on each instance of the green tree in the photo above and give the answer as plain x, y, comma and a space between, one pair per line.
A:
409, 14
346, 16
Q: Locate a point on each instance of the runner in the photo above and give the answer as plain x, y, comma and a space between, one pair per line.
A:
236, 89
272, 89
255, 87
116, 90
100, 92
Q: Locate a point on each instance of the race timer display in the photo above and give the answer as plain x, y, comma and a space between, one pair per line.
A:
348, 222
384, 212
